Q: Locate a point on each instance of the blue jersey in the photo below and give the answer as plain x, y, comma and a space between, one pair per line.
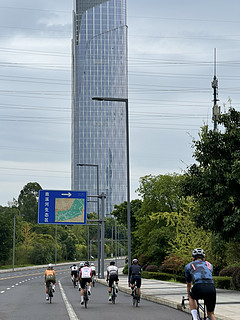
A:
199, 272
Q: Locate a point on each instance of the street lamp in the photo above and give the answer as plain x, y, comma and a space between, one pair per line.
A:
128, 170
98, 232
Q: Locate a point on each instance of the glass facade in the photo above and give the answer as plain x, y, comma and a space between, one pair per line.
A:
99, 69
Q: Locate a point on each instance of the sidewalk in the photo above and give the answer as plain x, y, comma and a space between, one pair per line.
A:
170, 294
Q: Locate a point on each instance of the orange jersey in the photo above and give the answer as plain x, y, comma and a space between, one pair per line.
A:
50, 273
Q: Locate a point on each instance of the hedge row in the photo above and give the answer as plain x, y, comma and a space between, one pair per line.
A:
220, 282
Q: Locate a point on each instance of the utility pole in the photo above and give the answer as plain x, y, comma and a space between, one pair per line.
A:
216, 108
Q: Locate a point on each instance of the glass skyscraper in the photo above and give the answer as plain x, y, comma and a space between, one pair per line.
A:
99, 69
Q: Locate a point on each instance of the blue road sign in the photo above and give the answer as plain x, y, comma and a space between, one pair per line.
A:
62, 207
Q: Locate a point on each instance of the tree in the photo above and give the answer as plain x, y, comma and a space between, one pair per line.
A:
186, 235
44, 249
28, 201
214, 180
6, 232
120, 212
160, 193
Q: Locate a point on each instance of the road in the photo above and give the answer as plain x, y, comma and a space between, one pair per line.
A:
22, 297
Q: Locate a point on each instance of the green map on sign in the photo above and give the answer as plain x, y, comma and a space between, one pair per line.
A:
69, 210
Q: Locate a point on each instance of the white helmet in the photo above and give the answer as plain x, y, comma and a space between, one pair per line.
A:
198, 252
92, 264
50, 266
81, 264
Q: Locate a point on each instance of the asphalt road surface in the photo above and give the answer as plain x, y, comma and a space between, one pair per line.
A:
22, 297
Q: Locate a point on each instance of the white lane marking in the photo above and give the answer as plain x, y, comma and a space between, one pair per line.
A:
71, 312
2, 291
16, 284
13, 286
8, 288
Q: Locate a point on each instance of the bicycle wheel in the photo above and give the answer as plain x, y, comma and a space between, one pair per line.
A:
50, 292
136, 297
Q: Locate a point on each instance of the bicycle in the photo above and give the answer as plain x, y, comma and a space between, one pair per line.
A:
201, 309
136, 297
50, 292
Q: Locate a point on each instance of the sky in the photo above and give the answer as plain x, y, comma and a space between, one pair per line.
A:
171, 66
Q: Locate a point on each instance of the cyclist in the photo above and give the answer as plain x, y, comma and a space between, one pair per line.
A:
85, 276
50, 276
112, 275
134, 275
93, 271
74, 272
199, 273
81, 264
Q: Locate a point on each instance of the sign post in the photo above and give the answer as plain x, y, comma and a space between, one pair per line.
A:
62, 207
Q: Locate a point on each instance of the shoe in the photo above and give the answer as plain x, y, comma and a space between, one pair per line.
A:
89, 292
110, 298
82, 301
47, 297
132, 293
116, 289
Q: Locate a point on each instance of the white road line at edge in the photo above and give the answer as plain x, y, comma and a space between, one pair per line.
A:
71, 312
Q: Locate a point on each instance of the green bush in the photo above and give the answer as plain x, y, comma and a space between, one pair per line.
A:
152, 268
125, 269
220, 282
228, 271
223, 282
236, 279
163, 276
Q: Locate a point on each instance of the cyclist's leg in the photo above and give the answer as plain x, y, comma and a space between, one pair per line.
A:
210, 301
89, 285
132, 281
193, 296
138, 281
116, 283
83, 282
110, 283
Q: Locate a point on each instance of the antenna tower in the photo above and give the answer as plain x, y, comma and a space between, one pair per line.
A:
216, 108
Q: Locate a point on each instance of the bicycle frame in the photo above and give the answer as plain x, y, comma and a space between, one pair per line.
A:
85, 295
50, 292
201, 308
113, 293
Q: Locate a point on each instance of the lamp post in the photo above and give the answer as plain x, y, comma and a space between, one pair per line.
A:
98, 232
14, 227
128, 169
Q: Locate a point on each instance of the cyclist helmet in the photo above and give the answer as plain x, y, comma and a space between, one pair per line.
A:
112, 263
86, 264
81, 264
92, 264
198, 252
50, 266
135, 261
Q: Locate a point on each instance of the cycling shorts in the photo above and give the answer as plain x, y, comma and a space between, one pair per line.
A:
84, 281
50, 279
112, 278
137, 279
74, 273
207, 292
